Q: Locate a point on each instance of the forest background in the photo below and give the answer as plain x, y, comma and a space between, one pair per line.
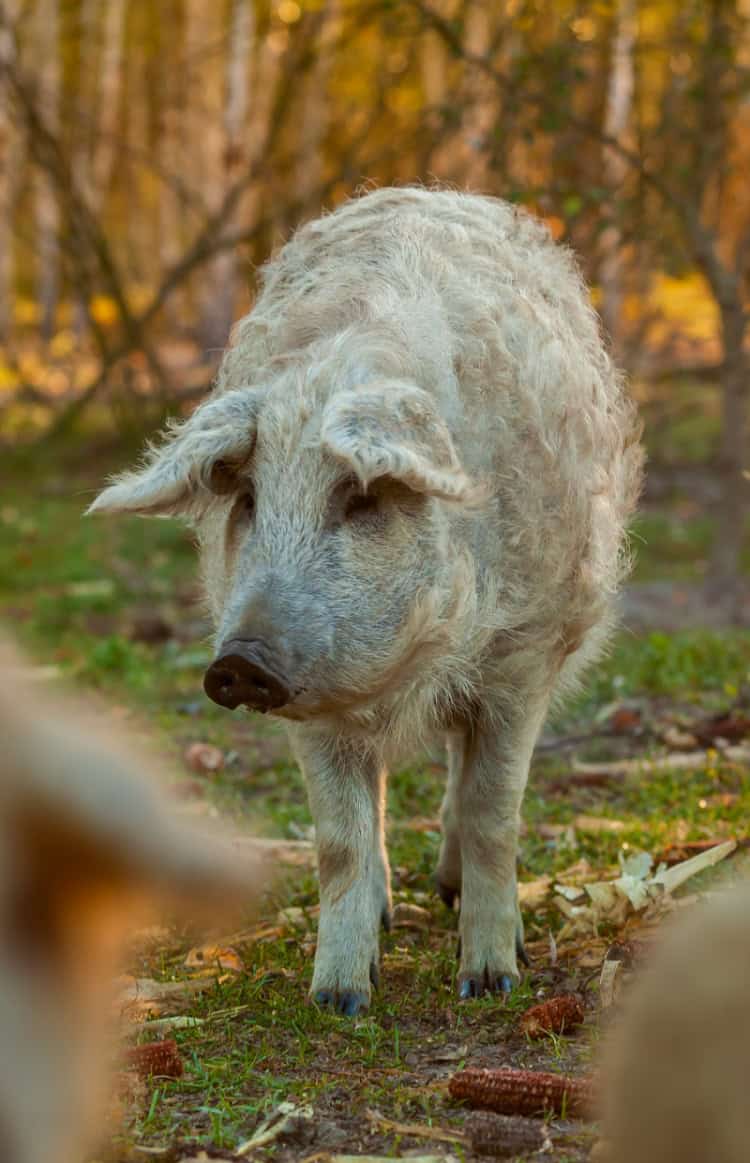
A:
155, 152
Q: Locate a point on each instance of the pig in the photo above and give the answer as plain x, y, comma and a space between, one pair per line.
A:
88, 848
674, 1072
410, 487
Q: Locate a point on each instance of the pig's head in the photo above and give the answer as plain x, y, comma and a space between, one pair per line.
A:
322, 522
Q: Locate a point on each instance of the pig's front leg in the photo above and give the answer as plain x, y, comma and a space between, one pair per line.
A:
346, 786
489, 796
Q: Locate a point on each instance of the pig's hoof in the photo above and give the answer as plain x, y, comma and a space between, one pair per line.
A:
521, 953
447, 892
386, 920
348, 1002
477, 984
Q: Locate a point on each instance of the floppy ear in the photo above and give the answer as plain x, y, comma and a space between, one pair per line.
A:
221, 429
394, 429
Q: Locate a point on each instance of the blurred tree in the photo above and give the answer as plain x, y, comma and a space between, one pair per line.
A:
48, 67
169, 145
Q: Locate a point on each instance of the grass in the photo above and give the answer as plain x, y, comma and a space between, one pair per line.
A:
79, 594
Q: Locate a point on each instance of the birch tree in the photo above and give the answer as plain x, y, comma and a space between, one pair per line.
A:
11, 153
615, 168
47, 41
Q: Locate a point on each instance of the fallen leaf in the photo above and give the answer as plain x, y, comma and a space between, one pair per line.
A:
294, 852
408, 916
422, 824
598, 824
533, 893
610, 983
587, 905
678, 740
204, 757
389, 1158
214, 957
294, 917
624, 720
284, 1120
141, 996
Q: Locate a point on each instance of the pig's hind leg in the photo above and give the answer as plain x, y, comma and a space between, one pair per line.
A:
346, 787
497, 753
448, 872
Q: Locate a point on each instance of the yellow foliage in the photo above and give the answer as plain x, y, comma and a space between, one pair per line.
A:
62, 344
8, 377
26, 312
289, 11
686, 304
104, 310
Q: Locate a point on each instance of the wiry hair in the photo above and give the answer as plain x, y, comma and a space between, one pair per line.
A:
438, 347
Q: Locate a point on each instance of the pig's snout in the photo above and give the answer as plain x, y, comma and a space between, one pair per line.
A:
242, 675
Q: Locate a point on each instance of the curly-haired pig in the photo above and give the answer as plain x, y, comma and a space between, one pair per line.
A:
410, 486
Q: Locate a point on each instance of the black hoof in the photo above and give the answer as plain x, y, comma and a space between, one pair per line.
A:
471, 985
521, 953
386, 920
374, 975
346, 1002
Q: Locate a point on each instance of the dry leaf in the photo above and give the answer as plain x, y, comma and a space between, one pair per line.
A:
597, 824
610, 983
533, 893
204, 757
407, 916
140, 997
294, 852
214, 957
285, 1119
588, 905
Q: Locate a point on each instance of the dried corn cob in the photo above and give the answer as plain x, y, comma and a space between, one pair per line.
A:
161, 1058
505, 1136
557, 1015
521, 1092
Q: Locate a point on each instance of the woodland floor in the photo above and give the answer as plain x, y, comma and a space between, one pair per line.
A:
113, 606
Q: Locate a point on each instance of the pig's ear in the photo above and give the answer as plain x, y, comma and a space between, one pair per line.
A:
177, 471
394, 429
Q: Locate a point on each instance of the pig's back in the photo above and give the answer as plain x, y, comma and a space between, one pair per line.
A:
472, 300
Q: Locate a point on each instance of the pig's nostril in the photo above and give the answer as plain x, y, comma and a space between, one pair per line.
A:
242, 675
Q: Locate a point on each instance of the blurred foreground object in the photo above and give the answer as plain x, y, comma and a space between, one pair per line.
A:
88, 848
676, 1073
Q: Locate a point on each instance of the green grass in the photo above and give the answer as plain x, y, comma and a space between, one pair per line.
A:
71, 589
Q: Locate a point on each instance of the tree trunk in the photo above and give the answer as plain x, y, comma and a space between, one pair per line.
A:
204, 113
314, 115
480, 97
615, 167
11, 151
730, 518
433, 59
47, 37
223, 272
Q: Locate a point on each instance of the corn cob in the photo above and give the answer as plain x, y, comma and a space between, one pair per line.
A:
161, 1058
521, 1092
505, 1136
557, 1015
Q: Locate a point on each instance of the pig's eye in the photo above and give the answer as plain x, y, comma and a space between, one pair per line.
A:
247, 502
222, 478
361, 505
